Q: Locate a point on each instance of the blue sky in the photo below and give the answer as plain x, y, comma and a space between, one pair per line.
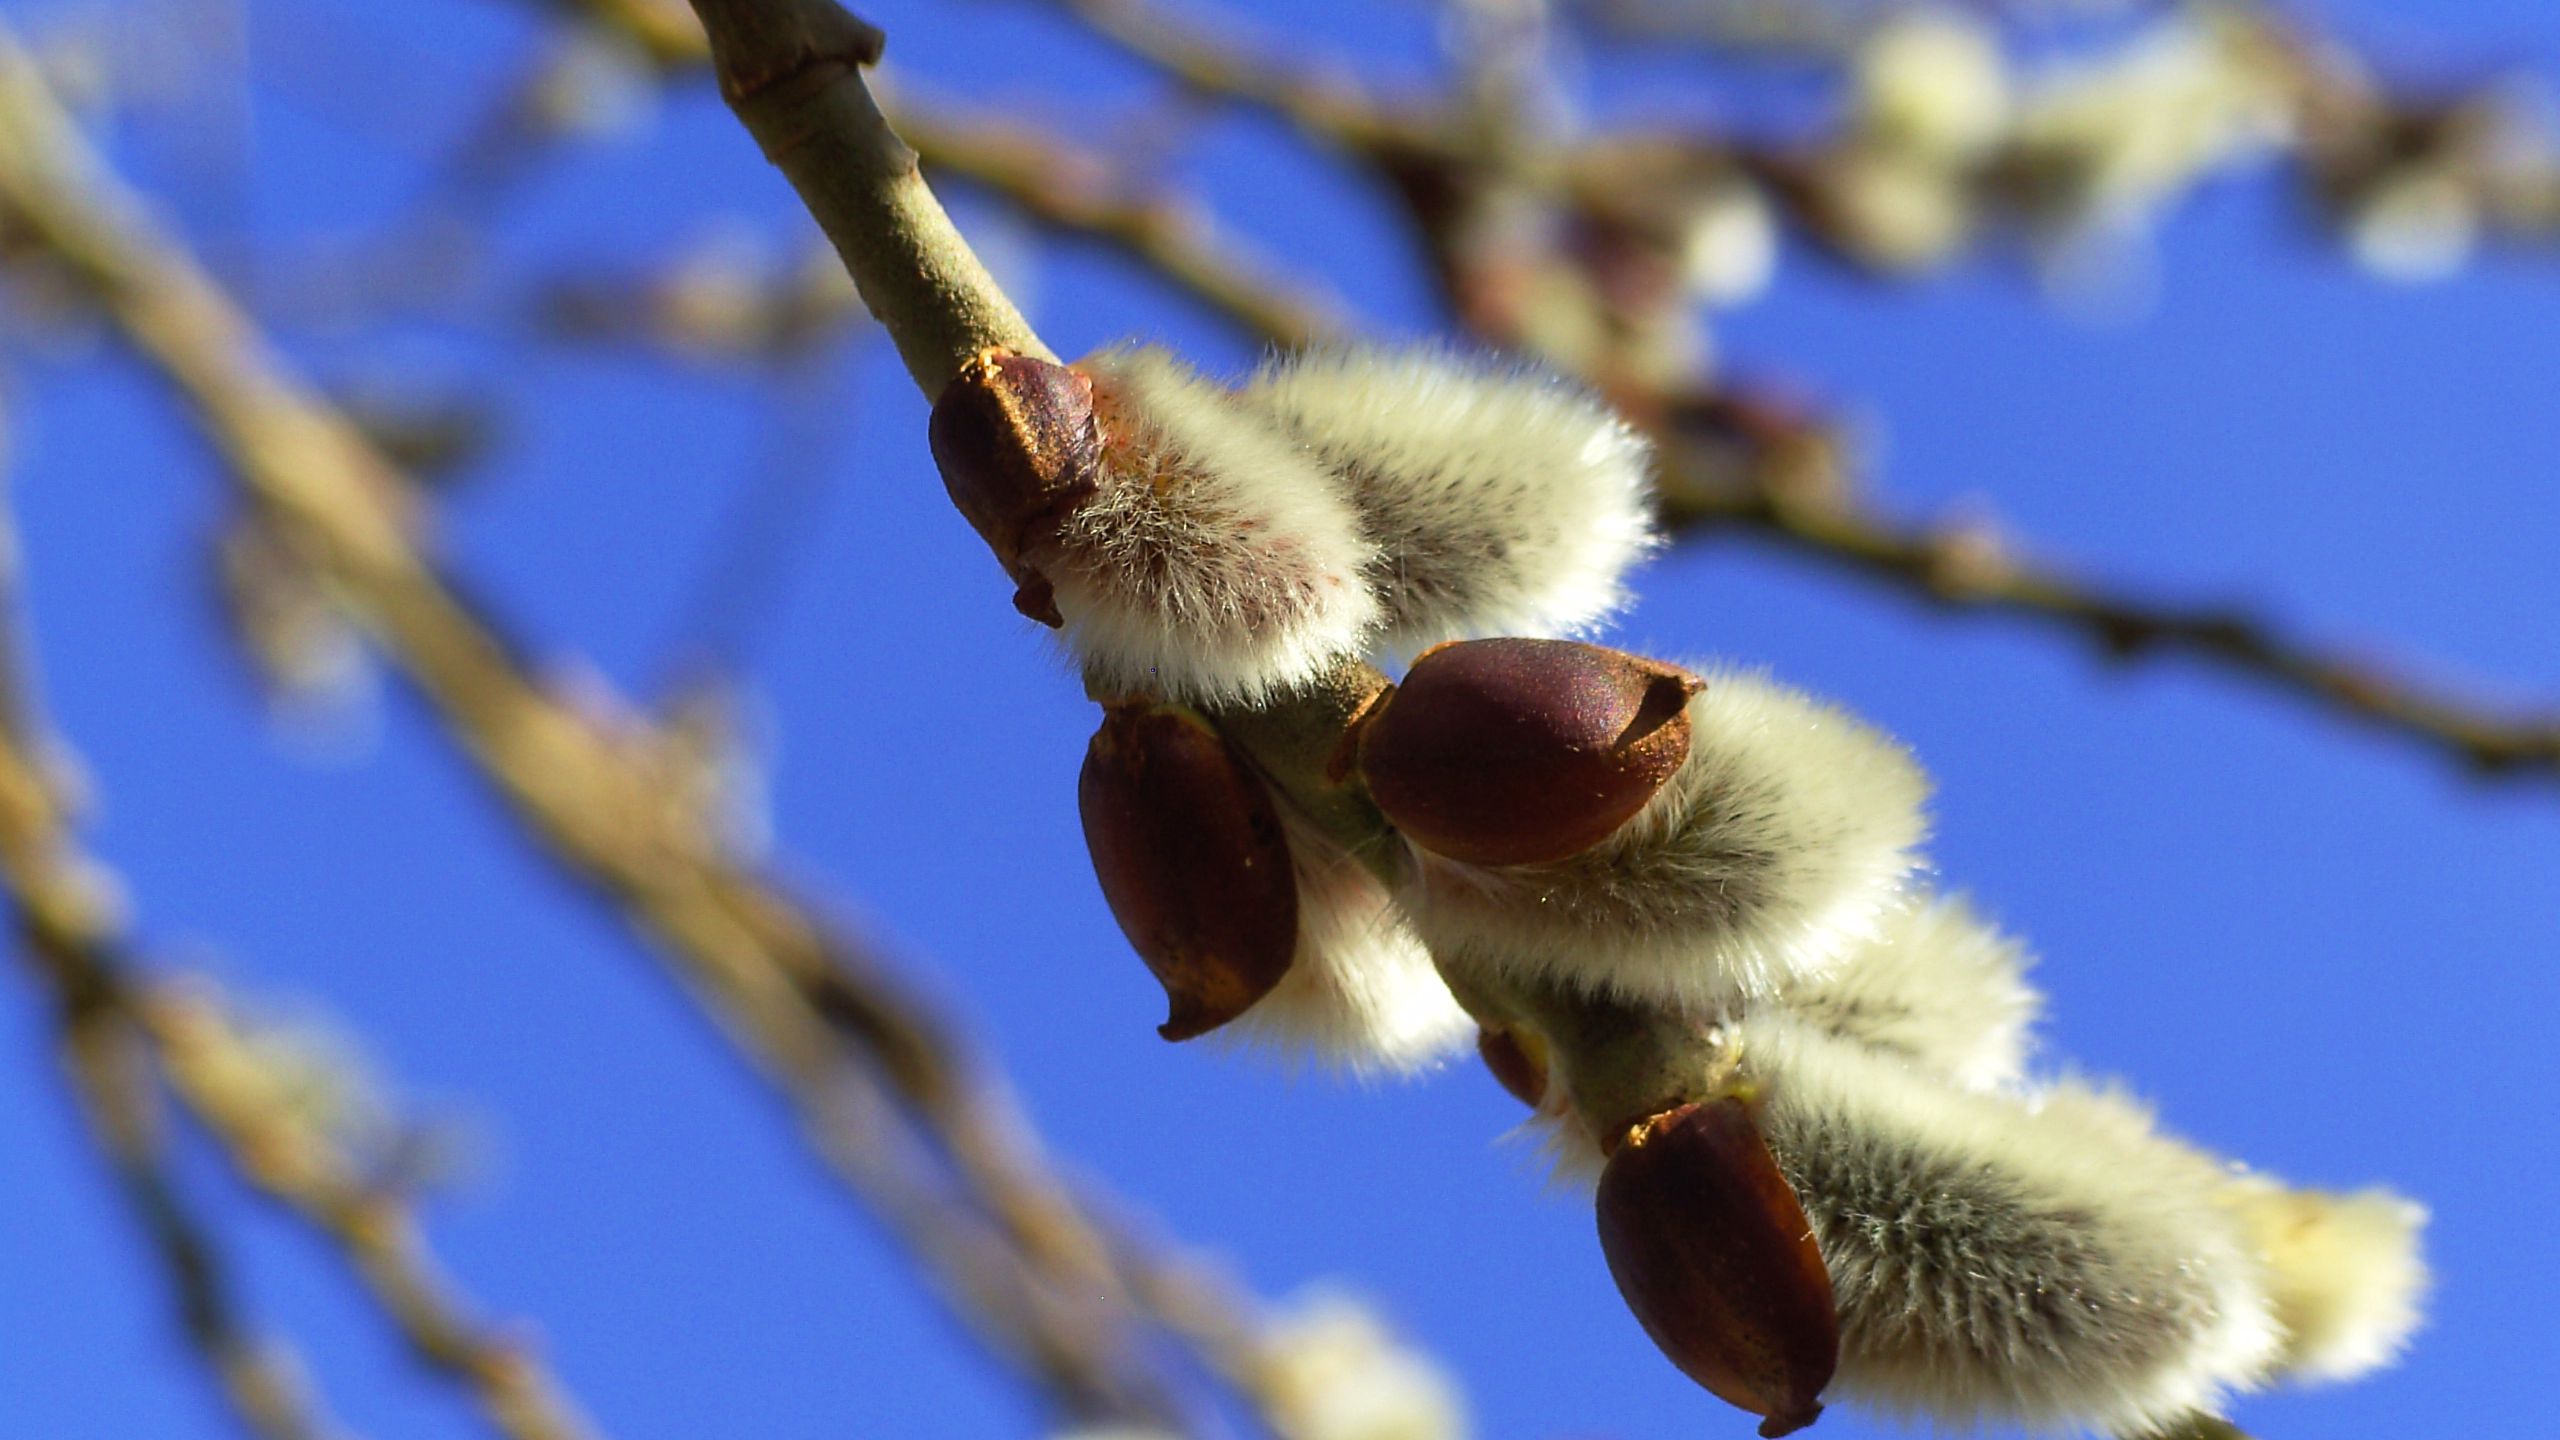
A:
2315, 948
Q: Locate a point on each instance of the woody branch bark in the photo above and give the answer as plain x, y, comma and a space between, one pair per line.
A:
61, 922
1753, 484
1624, 1059
134, 1042
880, 1083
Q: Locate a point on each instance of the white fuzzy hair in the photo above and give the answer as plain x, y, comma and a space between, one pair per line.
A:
1361, 993
1767, 857
2048, 1261
1502, 500
2345, 1270
1216, 562
1938, 986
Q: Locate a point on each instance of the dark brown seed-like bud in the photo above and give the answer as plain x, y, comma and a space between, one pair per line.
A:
1513, 752
1714, 1255
1192, 859
1517, 1059
1018, 447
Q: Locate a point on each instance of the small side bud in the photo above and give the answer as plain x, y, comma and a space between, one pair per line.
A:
1518, 1061
1516, 752
1716, 1258
1193, 861
1018, 447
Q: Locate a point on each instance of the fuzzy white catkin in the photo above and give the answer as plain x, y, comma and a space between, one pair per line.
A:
1215, 562
1933, 82
1938, 986
1769, 855
1335, 1371
2345, 1271
1500, 499
2050, 1262
1361, 993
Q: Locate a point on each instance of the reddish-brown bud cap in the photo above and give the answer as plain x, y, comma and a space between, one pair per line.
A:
1018, 447
1192, 859
1714, 1255
1518, 1061
1513, 752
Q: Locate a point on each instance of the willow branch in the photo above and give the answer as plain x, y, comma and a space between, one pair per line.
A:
65, 922
259, 1378
591, 778
791, 71
373, 1229
1959, 571
1753, 493
1066, 189
126, 1037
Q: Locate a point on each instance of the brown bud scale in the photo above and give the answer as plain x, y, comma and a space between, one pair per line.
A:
1188, 846
1520, 752
1713, 1253
1518, 1061
1018, 446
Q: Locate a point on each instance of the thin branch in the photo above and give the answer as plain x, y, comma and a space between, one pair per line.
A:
373, 1228
1772, 470
1753, 484
1331, 107
1021, 1258
260, 1378
1068, 189
64, 919
792, 73
1960, 570
126, 1035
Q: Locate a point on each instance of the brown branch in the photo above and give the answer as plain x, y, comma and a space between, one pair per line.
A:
260, 1378
791, 72
65, 921
1067, 189
1958, 570
1753, 485
1026, 1265
127, 1036
373, 1228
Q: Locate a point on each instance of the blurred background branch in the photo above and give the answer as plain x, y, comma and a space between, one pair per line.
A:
885, 1091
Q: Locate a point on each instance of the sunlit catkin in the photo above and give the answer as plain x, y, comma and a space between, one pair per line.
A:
2051, 1262
1767, 856
1937, 986
1213, 560
1360, 993
1500, 499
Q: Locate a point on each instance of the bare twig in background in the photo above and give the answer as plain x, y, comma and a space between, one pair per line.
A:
372, 1226
128, 1037
1067, 189
1030, 1266
1733, 463
1967, 570
61, 918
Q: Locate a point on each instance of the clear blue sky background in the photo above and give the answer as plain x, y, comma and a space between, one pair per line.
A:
2317, 949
